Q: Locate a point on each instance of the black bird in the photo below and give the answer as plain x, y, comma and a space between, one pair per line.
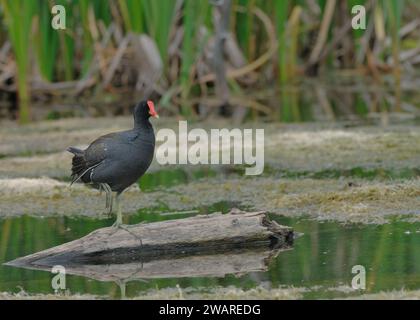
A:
115, 161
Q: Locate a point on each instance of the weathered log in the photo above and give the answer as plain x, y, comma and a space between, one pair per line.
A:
166, 248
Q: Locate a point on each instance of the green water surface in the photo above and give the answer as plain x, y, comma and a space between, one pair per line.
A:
321, 259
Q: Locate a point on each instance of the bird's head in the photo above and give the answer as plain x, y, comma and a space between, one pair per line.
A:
144, 110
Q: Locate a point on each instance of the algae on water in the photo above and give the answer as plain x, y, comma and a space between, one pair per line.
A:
361, 174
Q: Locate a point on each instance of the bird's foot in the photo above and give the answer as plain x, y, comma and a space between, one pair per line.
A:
119, 225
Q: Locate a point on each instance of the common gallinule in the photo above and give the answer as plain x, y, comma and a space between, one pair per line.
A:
115, 161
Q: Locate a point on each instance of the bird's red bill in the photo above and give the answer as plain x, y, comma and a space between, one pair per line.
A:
152, 110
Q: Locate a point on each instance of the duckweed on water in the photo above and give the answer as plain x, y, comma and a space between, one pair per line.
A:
328, 199
313, 147
317, 172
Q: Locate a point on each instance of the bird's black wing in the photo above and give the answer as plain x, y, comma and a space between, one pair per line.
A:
85, 160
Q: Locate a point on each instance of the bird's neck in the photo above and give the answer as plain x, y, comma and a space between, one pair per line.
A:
143, 125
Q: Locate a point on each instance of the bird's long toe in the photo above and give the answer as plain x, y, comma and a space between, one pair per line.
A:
119, 225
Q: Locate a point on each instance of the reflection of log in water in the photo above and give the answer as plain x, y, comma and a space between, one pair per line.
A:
217, 265
213, 245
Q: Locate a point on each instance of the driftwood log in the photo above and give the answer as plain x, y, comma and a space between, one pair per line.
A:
205, 245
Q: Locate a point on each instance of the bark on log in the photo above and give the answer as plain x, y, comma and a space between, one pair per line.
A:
216, 244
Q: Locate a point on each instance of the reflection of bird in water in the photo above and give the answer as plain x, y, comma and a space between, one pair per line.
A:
122, 284
115, 161
123, 287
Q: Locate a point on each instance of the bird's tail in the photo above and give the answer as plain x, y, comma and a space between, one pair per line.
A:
75, 151
79, 165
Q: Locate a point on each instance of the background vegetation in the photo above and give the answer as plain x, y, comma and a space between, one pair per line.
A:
201, 57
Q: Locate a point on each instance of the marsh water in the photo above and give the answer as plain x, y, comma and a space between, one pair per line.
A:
320, 261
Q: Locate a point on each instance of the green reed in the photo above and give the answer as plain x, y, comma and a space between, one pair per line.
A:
18, 20
63, 55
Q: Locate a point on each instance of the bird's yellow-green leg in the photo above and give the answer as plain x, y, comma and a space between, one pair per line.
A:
108, 197
111, 199
118, 222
